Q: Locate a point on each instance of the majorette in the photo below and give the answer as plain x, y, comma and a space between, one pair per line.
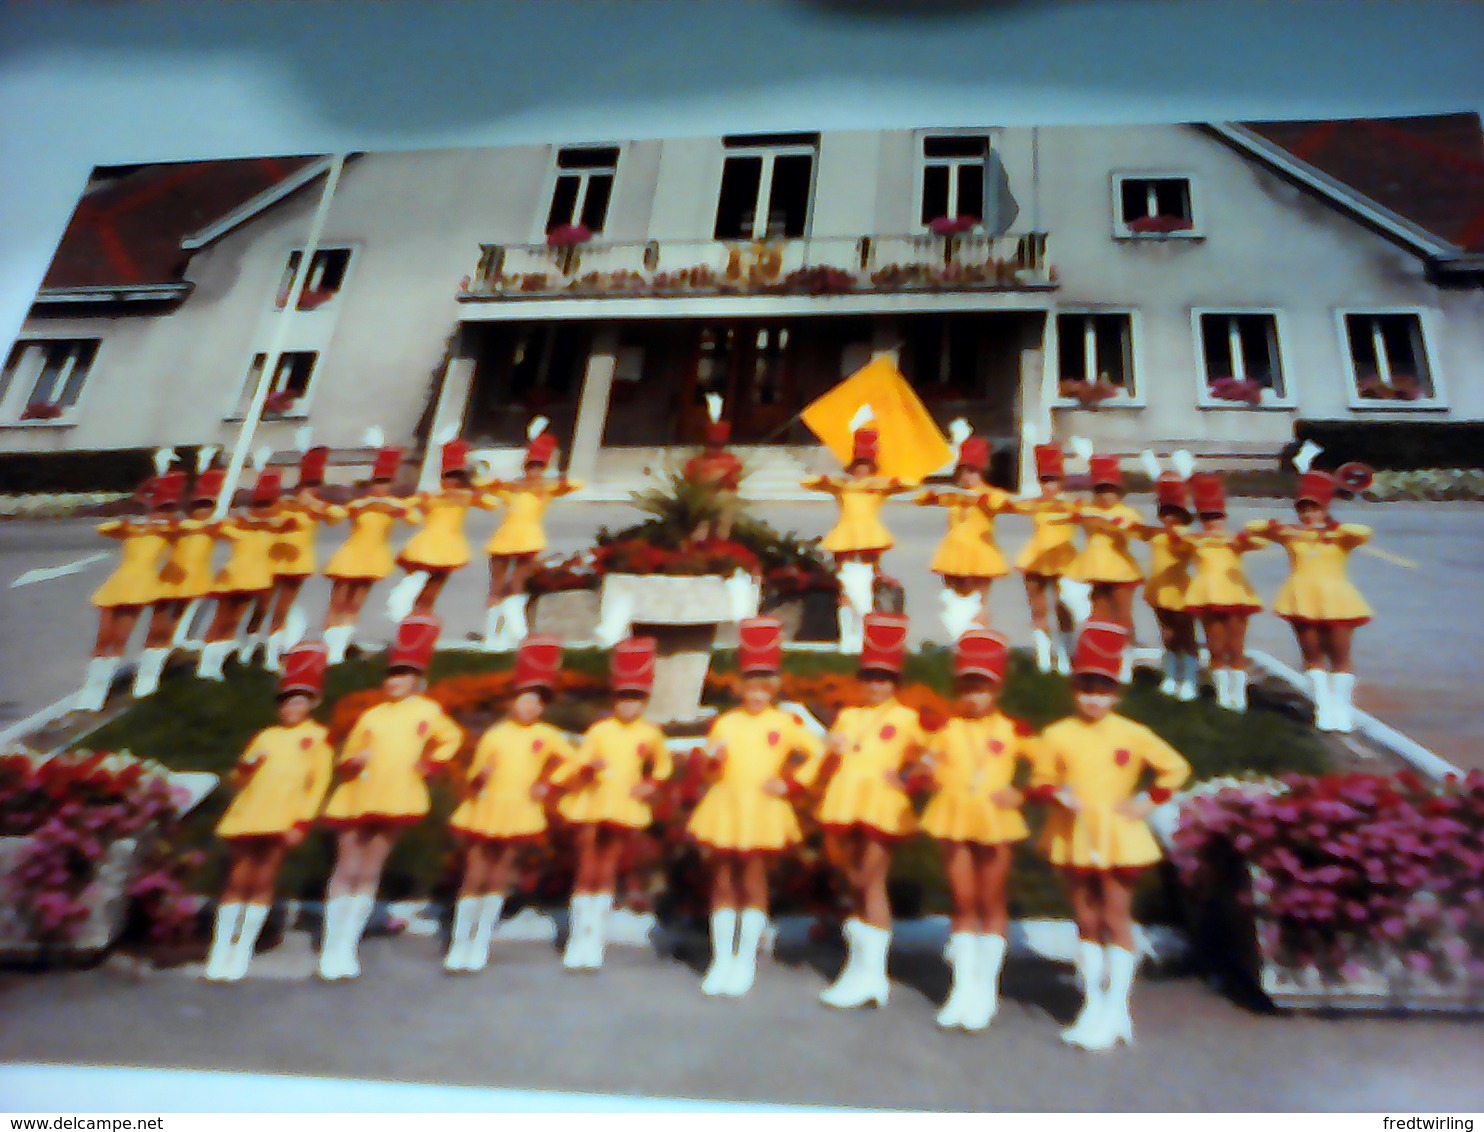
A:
1048, 554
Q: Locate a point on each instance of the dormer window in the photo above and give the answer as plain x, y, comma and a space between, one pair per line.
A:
1153, 206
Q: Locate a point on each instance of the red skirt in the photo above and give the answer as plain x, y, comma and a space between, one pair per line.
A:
1318, 622
1223, 610
740, 854
371, 821
870, 832
486, 839
1126, 873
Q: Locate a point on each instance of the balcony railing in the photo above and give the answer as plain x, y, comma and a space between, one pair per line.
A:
828, 265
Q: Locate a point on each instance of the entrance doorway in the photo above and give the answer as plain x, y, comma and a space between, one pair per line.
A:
522, 370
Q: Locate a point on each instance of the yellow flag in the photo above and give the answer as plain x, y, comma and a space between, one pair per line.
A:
912, 447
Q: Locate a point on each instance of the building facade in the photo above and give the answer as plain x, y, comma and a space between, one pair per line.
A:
1167, 286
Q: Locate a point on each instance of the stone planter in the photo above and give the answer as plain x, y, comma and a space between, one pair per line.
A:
107, 903
570, 614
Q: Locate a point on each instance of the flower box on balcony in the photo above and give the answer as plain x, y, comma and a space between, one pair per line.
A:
42, 411
1403, 387
1230, 389
952, 225
568, 235
1089, 394
279, 404
310, 300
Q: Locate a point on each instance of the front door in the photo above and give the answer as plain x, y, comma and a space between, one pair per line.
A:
751, 364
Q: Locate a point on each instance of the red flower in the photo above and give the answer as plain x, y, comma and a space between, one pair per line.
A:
568, 235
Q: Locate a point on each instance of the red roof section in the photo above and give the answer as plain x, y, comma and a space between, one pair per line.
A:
128, 231
1429, 170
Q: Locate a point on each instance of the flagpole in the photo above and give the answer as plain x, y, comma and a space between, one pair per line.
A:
277, 336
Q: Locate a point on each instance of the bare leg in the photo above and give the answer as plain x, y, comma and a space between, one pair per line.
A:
1117, 909
992, 874
1338, 646
1035, 594
286, 591
958, 867
437, 579
875, 861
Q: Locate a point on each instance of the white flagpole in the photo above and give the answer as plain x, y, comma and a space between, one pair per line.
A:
254, 413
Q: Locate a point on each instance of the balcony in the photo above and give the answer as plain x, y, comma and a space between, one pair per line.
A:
830, 265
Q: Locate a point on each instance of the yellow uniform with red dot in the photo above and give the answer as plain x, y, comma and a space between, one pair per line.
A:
249, 567
972, 760
860, 527
607, 794
1107, 558
969, 549
136, 580
1052, 547
509, 761
366, 554
738, 813
398, 741
1100, 766
1317, 588
878, 741
285, 791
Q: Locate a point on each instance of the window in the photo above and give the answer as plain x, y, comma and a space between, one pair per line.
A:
1153, 206
43, 379
942, 357
326, 277
288, 394
584, 185
1241, 359
953, 176
1388, 358
1095, 355
766, 185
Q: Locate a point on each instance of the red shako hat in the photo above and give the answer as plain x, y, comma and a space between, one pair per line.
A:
538, 662
167, 490
631, 667
1099, 650
304, 669
312, 466
541, 449
760, 649
1050, 462
1209, 493
718, 433
982, 652
974, 453
455, 456
1104, 471
884, 648
417, 637
1171, 490
208, 485
266, 489
865, 445
1316, 487
388, 463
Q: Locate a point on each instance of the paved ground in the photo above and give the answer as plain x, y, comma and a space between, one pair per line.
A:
642, 1027
1419, 661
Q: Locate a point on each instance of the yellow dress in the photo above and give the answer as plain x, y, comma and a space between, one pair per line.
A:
860, 527
624, 748
969, 550
521, 532
186, 574
1107, 558
366, 554
973, 759
293, 550
738, 815
441, 544
1101, 765
878, 740
288, 787
1317, 588
1218, 584
512, 757
136, 579
394, 738
249, 568
1169, 573
1052, 547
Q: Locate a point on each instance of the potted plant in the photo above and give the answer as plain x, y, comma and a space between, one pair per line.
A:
280, 403
568, 235
1088, 394
952, 225
1159, 225
1231, 389
1352, 890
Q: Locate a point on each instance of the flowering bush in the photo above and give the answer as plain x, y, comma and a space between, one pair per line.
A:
818, 281
1089, 394
1159, 225
1230, 389
74, 807
1346, 867
953, 225
559, 575
1427, 483
568, 235
56, 506
639, 556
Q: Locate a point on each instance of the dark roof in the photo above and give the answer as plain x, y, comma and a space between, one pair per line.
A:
127, 230
1428, 170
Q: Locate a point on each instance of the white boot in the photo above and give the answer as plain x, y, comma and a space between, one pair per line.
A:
1064, 646
1170, 666
337, 640
515, 629
1190, 678
273, 651
959, 612
723, 952
1342, 700
1221, 681
1043, 649
213, 656
358, 915
93, 694
1091, 966
493, 621
490, 908
962, 957
989, 959
598, 906
574, 956
1126, 666
183, 626
1114, 1022
219, 959
850, 635
753, 922
461, 933
254, 916
1239, 689
147, 672
403, 596
864, 981
249, 646
333, 937
1320, 693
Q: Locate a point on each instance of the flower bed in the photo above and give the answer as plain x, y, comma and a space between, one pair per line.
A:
82, 837
1356, 890
1427, 483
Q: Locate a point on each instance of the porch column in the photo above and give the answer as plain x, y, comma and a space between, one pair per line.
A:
886, 339
1037, 391
592, 408
453, 401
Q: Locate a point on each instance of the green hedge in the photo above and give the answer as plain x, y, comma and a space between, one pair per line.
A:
115, 469
1394, 445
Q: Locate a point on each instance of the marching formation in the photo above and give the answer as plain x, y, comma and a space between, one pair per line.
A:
1096, 775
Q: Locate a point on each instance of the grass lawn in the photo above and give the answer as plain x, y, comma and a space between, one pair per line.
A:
194, 724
